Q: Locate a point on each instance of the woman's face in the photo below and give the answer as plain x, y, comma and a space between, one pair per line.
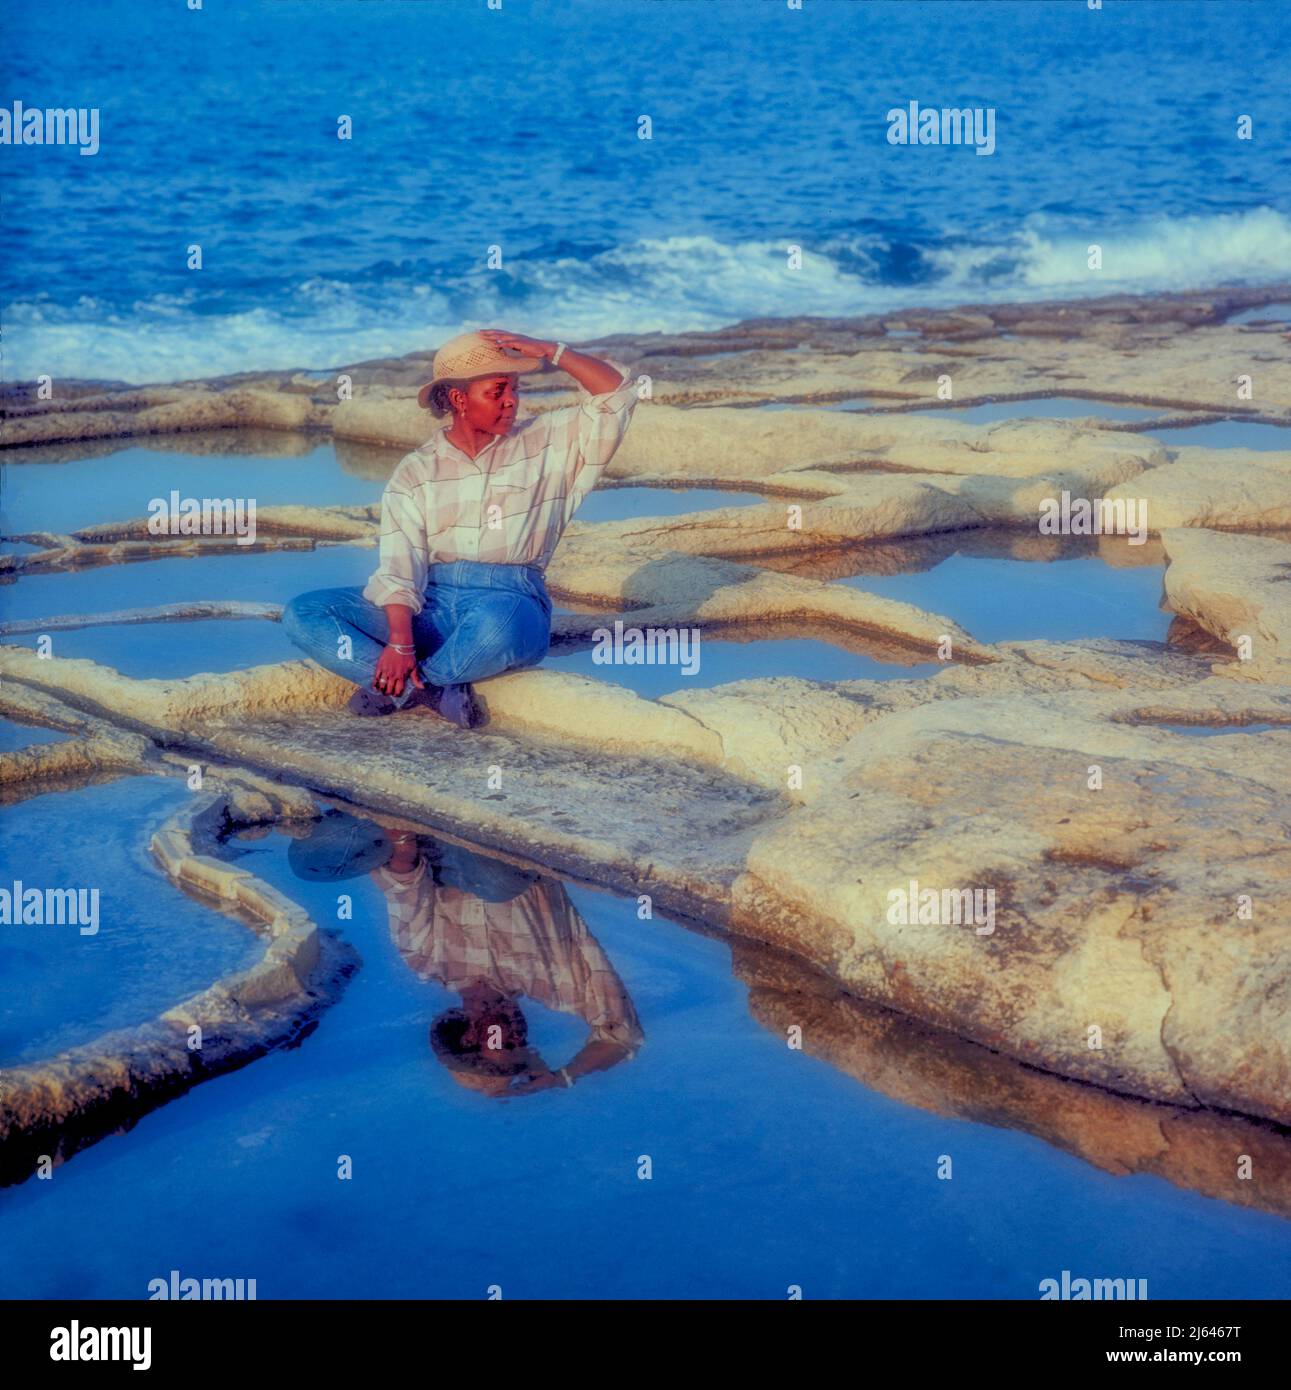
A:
491, 403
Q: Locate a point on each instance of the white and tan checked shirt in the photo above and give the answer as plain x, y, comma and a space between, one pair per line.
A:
506, 506
536, 945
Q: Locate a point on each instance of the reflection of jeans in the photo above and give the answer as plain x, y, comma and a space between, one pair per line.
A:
494, 880
478, 620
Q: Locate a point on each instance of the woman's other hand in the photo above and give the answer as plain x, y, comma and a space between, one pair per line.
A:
394, 670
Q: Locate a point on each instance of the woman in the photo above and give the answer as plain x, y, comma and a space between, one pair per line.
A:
468, 525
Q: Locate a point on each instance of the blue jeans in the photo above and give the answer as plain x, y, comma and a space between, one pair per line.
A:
478, 621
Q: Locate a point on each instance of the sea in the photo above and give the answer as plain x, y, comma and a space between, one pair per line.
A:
307, 183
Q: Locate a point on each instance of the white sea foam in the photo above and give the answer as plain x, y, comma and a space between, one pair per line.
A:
673, 284
1165, 254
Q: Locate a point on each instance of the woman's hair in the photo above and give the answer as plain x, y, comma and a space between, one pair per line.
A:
438, 403
446, 1043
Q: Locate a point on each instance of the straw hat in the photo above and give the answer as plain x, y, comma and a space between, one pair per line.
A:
471, 355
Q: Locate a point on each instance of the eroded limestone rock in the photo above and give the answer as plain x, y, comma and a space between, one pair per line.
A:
1239, 589
1232, 489
59, 1105
1117, 906
790, 808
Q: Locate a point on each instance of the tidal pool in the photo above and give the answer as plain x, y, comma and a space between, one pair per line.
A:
1041, 408
847, 403
268, 577
1045, 408
175, 650
153, 946
1271, 313
629, 503
1001, 587
1210, 730
14, 735
767, 1167
1228, 434
725, 655
67, 487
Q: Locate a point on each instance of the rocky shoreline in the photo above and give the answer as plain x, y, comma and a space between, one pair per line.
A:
785, 810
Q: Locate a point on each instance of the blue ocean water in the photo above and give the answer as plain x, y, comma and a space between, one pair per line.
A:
518, 129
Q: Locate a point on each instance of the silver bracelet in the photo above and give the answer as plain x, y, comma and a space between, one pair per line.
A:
403, 650
569, 1080
555, 357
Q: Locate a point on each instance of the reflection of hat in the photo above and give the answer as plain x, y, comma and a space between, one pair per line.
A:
339, 846
470, 355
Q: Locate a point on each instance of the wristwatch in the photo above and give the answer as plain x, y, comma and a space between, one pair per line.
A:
555, 356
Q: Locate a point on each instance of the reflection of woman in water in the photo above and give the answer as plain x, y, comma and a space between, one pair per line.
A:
489, 932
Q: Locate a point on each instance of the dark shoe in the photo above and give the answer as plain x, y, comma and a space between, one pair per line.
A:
454, 703
371, 702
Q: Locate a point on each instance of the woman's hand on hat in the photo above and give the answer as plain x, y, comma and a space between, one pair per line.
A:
517, 342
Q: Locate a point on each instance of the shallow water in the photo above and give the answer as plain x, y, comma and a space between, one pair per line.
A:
848, 403
119, 485
1211, 730
769, 1167
629, 503
1273, 313
1043, 408
1014, 600
726, 657
1064, 589
14, 735
154, 945
175, 649
268, 577
1228, 434
1046, 408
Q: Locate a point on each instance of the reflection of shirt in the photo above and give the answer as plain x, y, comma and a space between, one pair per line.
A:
438, 505
536, 945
